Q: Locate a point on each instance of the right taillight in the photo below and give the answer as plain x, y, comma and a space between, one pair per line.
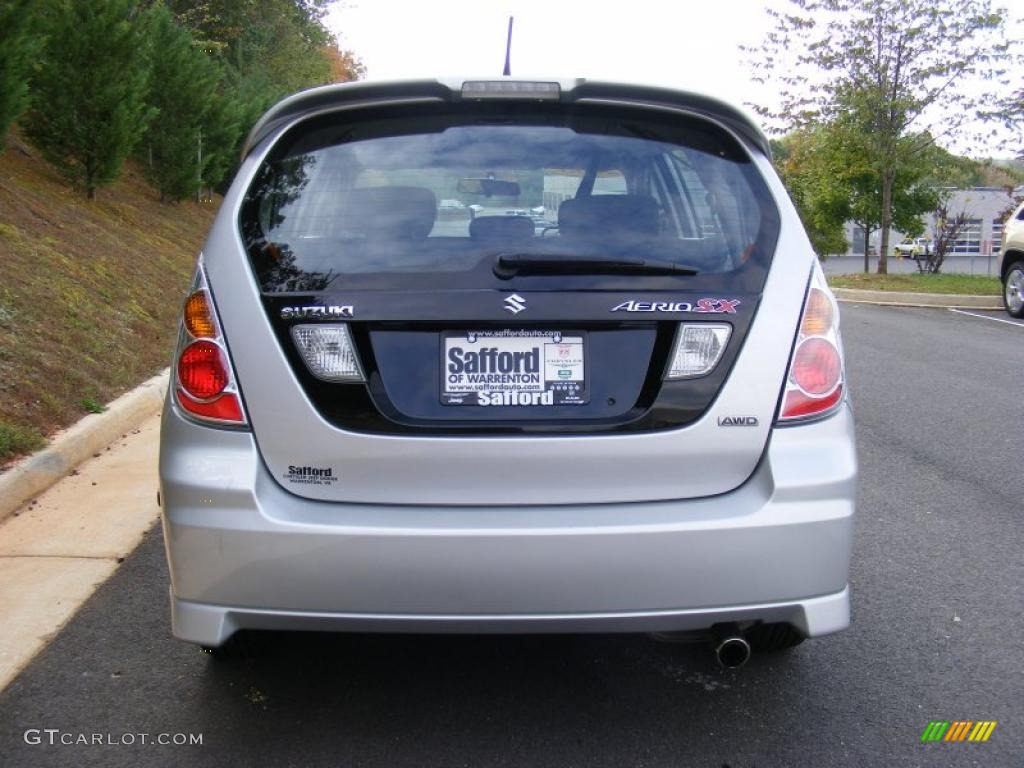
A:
815, 379
204, 383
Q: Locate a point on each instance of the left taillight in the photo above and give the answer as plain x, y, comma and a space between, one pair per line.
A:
816, 380
204, 381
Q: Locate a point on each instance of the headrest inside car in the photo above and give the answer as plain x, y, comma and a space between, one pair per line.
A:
501, 229
404, 213
610, 217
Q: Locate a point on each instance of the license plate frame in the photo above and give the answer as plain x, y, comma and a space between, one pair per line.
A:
515, 368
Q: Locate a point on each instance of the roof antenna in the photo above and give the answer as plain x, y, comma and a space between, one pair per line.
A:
508, 49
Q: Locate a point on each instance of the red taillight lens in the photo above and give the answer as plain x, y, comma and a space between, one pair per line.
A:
814, 383
202, 370
816, 367
206, 388
224, 408
798, 405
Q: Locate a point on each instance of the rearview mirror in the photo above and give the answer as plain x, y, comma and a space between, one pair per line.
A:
489, 187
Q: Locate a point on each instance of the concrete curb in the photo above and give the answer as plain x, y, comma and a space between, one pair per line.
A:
905, 299
69, 448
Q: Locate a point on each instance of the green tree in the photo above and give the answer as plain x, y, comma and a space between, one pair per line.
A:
281, 45
829, 172
188, 141
888, 66
806, 165
17, 48
89, 89
222, 134
914, 191
268, 49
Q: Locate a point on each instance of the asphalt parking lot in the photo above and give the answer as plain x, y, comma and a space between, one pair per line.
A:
937, 632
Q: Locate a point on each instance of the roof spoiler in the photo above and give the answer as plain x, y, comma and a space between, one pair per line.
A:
374, 93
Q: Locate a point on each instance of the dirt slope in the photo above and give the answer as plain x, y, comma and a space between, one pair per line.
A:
89, 292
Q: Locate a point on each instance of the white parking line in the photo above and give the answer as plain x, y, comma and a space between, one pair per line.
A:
987, 317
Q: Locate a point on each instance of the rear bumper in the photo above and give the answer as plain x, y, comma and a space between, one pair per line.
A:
244, 553
213, 624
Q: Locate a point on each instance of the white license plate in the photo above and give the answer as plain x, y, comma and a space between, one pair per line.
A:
513, 368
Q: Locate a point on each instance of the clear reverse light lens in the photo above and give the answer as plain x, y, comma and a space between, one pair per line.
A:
698, 350
328, 351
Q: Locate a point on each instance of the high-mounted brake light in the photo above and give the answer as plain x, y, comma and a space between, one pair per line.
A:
204, 382
815, 380
511, 89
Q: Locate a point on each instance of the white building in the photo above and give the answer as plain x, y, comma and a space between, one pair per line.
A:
986, 208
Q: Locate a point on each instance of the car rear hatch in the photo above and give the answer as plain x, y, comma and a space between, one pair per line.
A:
592, 316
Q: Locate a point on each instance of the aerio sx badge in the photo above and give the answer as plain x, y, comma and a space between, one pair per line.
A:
701, 306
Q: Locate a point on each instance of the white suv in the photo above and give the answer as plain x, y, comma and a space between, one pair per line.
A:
1012, 270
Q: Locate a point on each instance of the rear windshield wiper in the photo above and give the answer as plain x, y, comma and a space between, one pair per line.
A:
508, 265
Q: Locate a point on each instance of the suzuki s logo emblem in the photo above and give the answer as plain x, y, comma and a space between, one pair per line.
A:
515, 304
737, 421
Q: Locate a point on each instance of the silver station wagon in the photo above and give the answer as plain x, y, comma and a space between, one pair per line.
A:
506, 356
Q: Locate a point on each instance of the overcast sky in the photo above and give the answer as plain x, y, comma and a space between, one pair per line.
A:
659, 41
680, 43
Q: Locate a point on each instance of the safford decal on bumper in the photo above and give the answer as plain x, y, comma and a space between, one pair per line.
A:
307, 475
703, 306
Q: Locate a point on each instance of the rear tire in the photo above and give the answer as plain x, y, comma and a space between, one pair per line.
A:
773, 637
1013, 289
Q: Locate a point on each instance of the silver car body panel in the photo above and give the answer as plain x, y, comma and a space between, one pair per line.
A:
247, 554
702, 459
659, 531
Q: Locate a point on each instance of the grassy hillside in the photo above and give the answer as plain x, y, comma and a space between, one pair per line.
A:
89, 292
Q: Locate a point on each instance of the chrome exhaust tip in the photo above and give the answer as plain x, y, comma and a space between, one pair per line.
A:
731, 649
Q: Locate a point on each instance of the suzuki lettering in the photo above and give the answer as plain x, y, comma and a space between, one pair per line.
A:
303, 313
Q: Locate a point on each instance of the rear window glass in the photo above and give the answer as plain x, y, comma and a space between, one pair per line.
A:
396, 202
